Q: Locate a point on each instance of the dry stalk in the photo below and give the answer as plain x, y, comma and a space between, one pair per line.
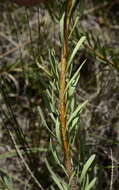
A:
100, 56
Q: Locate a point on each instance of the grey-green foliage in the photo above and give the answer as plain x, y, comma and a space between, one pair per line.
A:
72, 115
85, 184
58, 181
83, 181
72, 120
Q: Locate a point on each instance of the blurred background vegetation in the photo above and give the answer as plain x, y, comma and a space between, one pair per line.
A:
27, 36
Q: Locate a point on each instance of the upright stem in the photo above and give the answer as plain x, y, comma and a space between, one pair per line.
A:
62, 107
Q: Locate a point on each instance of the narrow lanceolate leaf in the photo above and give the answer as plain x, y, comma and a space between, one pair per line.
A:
78, 45
57, 130
44, 121
60, 183
54, 65
51, 104
76, 21
86, 181
91, 184
62, 28
70, 104
53, 118
74, 80
56, 179
86, 167
62, 186
76, 112
45, 70
74, 124
54, 153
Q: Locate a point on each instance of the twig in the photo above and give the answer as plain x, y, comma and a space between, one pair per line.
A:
100, 6
100, 56
62, 107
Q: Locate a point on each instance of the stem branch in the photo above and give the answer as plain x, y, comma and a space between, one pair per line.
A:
62, 106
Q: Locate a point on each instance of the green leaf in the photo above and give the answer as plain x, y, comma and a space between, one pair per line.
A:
74, 124
56, 158
86, 167
74, 80
54, 65
75, 23
78, 45
85, 184
70, 104
91, 184
53, 118
62, 28
44, 121
60, 183
57, 130
44, 69
54, 153
76, 112
72, 177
